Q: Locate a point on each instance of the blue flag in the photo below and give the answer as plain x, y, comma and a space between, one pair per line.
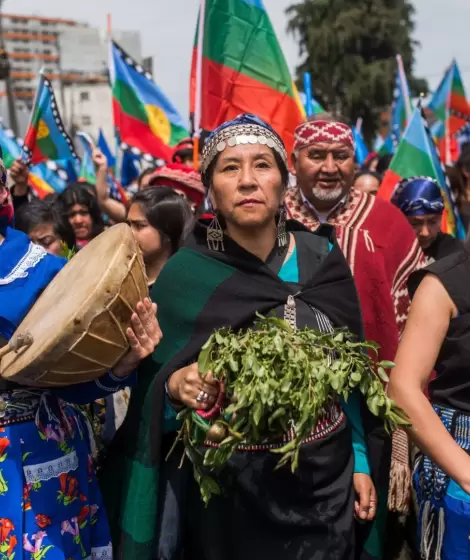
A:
104, 147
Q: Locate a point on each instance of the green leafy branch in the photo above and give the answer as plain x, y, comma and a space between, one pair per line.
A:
277, 378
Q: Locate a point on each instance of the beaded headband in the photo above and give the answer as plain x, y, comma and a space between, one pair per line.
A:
240, 134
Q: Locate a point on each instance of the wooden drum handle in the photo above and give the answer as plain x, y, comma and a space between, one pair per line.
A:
15, 344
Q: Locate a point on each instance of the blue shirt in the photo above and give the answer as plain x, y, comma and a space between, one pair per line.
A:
25, 271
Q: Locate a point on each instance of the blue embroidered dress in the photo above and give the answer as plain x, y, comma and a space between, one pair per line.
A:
50, 504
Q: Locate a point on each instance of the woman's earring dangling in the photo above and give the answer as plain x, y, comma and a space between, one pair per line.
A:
215, 235
281, 228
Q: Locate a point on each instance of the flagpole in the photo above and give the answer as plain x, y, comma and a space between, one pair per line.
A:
198, 98
359, 124
448, 157
404, 85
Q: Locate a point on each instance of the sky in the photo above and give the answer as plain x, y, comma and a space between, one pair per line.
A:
167, 31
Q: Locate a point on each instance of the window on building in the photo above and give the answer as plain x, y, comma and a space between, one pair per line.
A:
47, 51
86, 120
84, 96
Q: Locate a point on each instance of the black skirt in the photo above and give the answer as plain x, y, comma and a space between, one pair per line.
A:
306, 515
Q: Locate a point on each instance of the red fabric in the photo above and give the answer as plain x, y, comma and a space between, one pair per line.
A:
182, 179
382, 251
139, 135
311, 132
227, 93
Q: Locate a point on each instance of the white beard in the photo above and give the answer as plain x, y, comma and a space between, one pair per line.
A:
328, 195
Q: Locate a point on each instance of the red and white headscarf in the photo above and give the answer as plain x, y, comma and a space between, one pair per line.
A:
311, 132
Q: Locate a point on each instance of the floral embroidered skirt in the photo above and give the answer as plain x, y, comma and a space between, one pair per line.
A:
50, 503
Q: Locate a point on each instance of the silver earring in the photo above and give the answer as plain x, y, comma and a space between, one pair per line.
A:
215, 235
281, 229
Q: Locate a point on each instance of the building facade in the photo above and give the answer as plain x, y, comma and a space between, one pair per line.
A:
74, 57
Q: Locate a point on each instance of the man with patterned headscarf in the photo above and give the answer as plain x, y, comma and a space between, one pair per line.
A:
382, 251
420, 199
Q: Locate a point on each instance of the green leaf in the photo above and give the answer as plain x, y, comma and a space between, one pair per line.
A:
204, 360
382, 374
286, 385
278, 343
233, 364
257, 412
276, 414
339, 337
387, 364
356, 376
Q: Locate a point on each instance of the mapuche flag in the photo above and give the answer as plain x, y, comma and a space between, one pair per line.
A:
449, 102
416, 156
244, 69
46, 138
144, 117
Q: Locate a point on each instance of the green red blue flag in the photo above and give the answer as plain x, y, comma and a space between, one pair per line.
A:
145, 119
401, 107
46, 138
244, 69
449, 101
416, 155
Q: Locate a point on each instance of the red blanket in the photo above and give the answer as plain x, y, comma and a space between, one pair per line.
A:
382, 251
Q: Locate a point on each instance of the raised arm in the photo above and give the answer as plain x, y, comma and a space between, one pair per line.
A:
431, 311
112, 208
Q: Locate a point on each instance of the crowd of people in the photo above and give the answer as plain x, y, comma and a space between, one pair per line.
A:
253, 230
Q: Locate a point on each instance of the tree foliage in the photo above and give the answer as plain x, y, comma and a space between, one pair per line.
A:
350, 49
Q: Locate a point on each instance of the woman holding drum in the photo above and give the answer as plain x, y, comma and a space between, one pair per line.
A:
50, 504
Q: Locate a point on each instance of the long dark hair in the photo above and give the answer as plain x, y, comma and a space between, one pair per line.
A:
83, 193
167, 212
37, 212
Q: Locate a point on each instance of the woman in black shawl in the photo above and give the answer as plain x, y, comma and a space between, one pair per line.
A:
246, 260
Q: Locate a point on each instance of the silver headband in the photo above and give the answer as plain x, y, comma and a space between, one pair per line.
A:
240, 134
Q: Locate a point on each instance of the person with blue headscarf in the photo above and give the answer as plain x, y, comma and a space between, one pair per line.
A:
420, 199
